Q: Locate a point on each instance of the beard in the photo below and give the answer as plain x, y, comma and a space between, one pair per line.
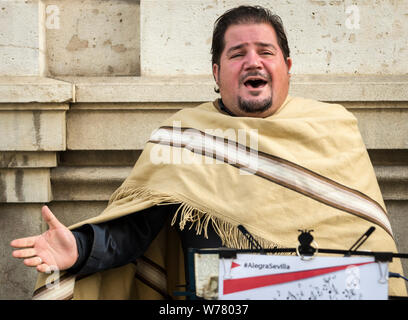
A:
254, 106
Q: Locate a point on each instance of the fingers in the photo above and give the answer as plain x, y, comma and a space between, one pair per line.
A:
24, 242
49, 218
45, 268
42, 267
29, 254
24, 253
33, 262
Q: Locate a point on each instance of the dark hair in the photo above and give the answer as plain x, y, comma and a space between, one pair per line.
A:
242, 15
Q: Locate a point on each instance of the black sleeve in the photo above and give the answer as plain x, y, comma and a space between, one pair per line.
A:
117, 242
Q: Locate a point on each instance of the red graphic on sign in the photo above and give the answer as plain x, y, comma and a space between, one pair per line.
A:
234, 265
242, 284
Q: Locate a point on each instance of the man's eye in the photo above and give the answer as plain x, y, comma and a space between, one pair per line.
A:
267, 53
236, 55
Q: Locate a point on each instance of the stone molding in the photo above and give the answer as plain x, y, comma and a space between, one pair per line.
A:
26, 89
351, 88
86, 183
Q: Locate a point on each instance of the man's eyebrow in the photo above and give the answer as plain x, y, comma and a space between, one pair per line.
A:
237, 47
265, 44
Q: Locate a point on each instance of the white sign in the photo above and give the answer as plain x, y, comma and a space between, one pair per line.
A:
267, 277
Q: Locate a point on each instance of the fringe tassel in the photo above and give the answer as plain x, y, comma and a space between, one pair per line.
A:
229, 234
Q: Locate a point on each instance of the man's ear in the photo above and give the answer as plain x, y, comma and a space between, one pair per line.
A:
289, 64
215, 70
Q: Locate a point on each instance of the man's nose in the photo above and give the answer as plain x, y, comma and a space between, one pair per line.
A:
253, 61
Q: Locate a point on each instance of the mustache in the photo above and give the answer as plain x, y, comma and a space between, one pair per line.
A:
263, 76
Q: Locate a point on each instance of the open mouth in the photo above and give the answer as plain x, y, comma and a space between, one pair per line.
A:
255, 83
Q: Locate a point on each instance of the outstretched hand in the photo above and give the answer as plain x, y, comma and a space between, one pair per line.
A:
55, 248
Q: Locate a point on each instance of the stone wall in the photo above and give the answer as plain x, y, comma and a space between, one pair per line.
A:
83, 83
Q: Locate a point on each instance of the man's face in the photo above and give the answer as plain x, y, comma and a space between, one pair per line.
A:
253, 76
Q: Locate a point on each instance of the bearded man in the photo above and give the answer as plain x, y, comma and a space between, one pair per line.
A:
308, 170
